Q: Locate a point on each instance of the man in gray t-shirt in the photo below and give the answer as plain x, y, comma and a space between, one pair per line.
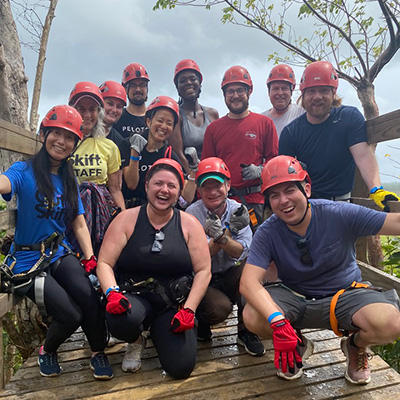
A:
280, 84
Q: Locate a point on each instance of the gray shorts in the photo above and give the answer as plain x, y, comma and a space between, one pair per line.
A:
314, 313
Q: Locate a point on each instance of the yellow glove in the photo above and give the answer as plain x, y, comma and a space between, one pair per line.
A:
381, 197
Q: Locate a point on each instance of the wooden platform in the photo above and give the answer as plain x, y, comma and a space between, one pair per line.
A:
224, 371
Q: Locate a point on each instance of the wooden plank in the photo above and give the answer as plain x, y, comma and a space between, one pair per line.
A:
17, 139
8, 219
378, 277
393, 205
383, 128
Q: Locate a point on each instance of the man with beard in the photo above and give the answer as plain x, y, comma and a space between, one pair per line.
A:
243, 139
331, 139
135, 79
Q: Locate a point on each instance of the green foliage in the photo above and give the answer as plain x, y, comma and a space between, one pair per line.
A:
390, 353
391, 251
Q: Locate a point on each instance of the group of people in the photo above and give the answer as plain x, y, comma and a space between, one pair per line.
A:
166, 204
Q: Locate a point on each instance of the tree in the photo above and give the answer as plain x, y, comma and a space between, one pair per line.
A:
359, 37
27, 14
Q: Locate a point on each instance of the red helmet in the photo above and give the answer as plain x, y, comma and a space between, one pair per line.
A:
282, 169
113, 89
174, 164
212, 168
319, 73
85, 89
184, 65
65, 117
164, 101
237, 74
282, 72
134, 71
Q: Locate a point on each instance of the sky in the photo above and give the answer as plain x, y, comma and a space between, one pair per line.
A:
93, 40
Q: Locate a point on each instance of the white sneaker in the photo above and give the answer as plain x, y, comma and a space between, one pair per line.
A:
132, 361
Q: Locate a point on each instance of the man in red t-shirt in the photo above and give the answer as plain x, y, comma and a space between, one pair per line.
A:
243, 139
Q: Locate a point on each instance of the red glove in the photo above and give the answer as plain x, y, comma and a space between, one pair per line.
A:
117, 303
285, 341
183, 320
90, 265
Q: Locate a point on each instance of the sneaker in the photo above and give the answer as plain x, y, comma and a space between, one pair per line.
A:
357, 370
306, 348
251, 343
132, 361
204, 332
290, 376
101, 367
48, 364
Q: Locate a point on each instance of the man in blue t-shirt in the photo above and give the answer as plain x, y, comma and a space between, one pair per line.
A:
312, 244
331, 139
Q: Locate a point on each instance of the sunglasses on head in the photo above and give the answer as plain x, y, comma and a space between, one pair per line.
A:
157, 244
305, 257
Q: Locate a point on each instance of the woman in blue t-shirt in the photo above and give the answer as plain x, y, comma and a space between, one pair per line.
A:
40, 264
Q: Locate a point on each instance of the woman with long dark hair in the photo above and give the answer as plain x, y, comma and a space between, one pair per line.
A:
40, 263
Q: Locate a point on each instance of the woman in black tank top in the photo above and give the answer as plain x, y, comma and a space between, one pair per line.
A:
155, 249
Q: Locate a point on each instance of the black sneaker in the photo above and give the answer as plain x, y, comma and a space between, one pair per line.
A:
251, 343
48, 364
204, 332
101, 367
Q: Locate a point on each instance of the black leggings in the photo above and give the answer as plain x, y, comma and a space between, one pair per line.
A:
72, 302
176, 351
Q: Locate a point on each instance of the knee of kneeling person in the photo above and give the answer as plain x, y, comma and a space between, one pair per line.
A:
251, 320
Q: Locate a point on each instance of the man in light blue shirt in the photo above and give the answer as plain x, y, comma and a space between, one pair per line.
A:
226, 224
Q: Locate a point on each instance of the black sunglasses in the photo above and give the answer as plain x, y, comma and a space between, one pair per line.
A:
157, 245
305, 253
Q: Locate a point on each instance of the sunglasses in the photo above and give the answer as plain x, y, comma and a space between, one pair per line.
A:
305, 253
157, 244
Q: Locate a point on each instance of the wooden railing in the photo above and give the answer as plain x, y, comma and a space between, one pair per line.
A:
15, 139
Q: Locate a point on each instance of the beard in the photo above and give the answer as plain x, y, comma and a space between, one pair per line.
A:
239, 110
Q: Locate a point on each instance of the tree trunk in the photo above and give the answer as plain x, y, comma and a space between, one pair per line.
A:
372, 245
34, 117
13, 81
14, 109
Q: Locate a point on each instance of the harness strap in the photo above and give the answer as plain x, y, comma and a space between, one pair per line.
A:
39, 293
244, 191
332, 311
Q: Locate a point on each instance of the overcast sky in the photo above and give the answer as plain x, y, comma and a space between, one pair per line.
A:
93, 40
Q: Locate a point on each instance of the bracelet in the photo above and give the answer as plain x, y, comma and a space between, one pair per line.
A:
190, 178
375, 189
112, 289
273, 315
135, 158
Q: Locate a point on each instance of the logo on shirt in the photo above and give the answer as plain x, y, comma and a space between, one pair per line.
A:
250, 135
50, 210
89, 161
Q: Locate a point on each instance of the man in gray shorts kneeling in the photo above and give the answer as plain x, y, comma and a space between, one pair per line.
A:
312, 243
